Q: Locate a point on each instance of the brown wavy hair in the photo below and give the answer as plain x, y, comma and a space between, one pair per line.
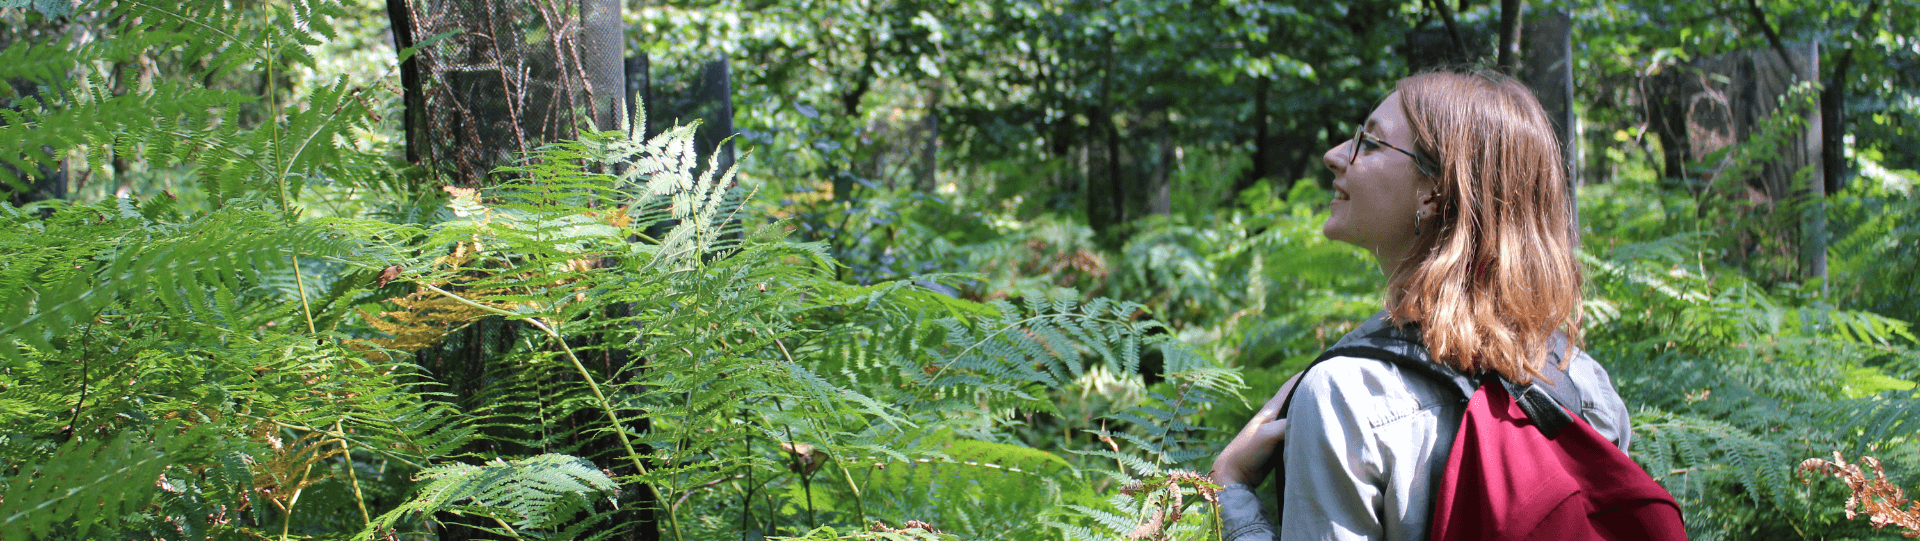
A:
1500, 277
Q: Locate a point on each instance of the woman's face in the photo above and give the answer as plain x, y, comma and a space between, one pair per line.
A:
1377, 195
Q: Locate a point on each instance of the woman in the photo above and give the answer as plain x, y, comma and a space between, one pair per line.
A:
1455, 185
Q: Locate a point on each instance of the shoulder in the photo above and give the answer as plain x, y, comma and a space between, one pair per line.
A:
1343, 376
1373, 391
1600, 403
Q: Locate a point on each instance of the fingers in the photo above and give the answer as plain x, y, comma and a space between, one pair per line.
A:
1270, 411
1253, 425
1246, 458
1272, 432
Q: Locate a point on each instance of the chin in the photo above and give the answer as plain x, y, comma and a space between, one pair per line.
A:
1332, 231
1335, 232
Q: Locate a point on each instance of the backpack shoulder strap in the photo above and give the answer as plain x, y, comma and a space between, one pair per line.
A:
1550, 402
1546, 401
1395, 345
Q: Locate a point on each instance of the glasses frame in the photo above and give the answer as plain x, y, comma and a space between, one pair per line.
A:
1360, 135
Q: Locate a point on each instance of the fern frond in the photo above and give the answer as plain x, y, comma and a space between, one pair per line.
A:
87, 484
184, 274
535, 492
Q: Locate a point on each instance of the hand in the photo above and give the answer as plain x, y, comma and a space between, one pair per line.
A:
1245, 458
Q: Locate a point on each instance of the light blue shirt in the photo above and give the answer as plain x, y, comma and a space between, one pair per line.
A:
1366, 445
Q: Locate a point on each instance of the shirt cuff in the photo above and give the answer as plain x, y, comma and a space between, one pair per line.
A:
1242, 516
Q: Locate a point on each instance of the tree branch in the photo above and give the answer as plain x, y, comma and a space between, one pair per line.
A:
1446, 16
1773, 38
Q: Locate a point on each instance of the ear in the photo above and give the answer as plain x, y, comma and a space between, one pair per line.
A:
1427, 199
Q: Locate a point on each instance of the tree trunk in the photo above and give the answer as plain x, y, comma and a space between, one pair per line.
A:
640, 94
929, 166
1813, 226
413, 101
1833, 125
1106, 194
1509, 59
1666, 94
716, 129
1262, 138
1762, 78
1715, 102
1159, 185
1549, 73
41, 183
1833, 113
478, 110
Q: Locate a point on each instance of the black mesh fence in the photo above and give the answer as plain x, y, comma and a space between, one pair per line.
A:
493, 79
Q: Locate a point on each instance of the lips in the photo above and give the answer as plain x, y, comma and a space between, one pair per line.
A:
1340, 194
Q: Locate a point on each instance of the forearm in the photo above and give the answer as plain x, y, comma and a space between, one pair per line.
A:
1242, 516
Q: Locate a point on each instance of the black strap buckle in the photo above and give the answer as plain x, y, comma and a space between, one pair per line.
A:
1542, 409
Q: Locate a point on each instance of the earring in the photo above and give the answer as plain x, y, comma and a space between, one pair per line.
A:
1417, 216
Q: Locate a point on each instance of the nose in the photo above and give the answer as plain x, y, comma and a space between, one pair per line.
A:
1336, 159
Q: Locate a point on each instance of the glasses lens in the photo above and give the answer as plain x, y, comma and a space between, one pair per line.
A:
1357, 134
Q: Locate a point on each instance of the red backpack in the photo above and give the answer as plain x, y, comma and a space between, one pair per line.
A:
1526, 468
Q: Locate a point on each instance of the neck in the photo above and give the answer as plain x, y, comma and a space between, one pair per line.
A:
1391, 259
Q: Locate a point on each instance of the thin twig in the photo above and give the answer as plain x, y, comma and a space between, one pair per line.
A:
688, 493
299, 280
73, 426
746, 496
353, 478
806, 482
1166, 431
341, 436
503, 524
859, 504
286, 522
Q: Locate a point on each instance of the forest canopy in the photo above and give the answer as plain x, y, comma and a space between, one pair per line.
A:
885, 269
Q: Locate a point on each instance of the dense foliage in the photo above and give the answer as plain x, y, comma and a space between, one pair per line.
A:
218, 335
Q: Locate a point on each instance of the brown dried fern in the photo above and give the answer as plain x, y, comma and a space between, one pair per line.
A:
1165, 511
1883, 503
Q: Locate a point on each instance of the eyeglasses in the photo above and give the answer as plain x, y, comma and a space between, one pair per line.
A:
1360, 137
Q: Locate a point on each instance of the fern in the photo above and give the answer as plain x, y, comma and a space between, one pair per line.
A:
1011, 485
880, 532
87, 484
131, 315
521, 495
179, 268
1738, 385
